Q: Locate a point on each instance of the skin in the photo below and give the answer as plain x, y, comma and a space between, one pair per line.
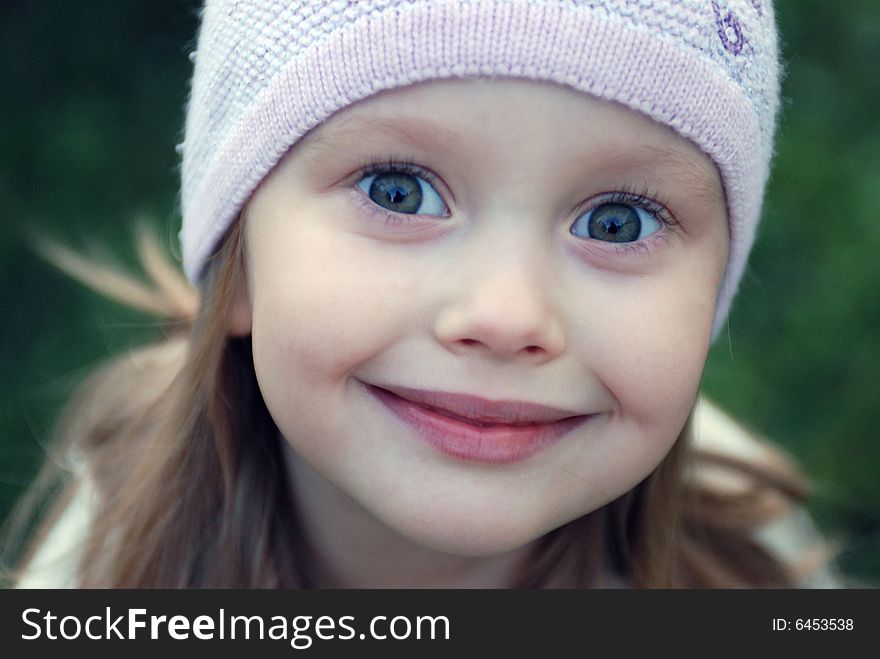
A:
497, 299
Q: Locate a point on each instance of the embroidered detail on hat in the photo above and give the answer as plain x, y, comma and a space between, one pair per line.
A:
729, 29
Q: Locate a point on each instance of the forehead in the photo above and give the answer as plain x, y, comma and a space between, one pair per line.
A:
500, 116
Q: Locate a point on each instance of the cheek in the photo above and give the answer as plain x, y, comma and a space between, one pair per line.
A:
314, 322
647, 348
325, 303
651, 348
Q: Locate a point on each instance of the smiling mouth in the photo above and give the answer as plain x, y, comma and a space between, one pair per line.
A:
476, 429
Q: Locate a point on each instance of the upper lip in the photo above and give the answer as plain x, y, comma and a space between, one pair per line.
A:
483, 410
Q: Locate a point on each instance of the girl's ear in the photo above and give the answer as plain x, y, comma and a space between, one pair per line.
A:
240, 316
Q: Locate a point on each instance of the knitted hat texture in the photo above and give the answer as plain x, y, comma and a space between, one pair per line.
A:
268, 71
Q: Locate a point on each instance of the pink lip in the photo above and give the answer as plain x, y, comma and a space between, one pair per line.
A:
476, 429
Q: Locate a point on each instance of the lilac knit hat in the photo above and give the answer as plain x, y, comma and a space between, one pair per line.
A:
267, 71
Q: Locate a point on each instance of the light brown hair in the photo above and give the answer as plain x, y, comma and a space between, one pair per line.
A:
193, 492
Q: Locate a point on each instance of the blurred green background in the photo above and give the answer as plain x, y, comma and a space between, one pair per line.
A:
91, 106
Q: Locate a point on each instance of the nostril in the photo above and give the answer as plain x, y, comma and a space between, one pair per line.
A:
532, 349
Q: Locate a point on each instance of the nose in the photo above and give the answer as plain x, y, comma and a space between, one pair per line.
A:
504, 310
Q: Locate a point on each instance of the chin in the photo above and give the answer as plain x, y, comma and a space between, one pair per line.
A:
473, 537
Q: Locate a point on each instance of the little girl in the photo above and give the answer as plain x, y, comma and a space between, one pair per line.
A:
459, 266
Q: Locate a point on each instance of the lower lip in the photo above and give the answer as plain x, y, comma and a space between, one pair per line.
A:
494, 444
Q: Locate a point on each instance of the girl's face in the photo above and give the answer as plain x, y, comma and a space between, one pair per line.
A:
481, 308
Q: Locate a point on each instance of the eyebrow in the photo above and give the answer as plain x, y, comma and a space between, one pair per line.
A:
698, 179
412, 131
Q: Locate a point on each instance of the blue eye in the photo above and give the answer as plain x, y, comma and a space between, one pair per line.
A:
403, 192
616, 222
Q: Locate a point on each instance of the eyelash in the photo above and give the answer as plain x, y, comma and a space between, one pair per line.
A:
644, 197
392, 166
